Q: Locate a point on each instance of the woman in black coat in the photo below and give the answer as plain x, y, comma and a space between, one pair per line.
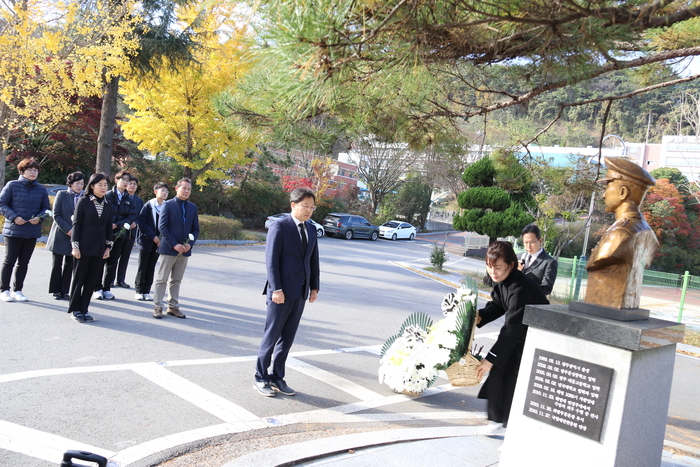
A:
24, 204
59, 237
511, 292
91, 240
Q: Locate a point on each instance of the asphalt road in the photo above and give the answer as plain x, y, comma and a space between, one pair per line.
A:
139, 390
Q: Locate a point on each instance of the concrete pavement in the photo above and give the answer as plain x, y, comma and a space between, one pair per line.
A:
140, 390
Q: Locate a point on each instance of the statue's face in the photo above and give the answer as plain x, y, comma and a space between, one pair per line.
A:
612, 195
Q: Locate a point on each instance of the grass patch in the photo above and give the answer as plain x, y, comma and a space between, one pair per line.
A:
479, 278
692, 337
253, 235
437, 270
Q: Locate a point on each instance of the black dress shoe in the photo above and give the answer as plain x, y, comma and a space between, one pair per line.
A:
57, 295
123, 285
263, 387
65, 296
281, 387
78, 316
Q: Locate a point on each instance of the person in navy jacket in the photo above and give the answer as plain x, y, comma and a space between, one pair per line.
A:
123, 261
179, 229
23, 203
148, 238
291, 258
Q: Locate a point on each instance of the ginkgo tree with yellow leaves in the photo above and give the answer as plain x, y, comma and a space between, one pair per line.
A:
172, 110
54, 51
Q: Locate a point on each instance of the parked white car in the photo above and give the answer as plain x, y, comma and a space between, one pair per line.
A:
395, 230
276, 217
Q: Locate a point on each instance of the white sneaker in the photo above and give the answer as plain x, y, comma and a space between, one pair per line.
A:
19, 296
108, 295
98, 295
139, 296
147, 297
6, 297
492, 429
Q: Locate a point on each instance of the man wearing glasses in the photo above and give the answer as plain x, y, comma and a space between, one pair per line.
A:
291, 258
535, 262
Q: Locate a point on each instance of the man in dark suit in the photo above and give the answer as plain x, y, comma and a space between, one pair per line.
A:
535, 263
123, 213
291, 258
149, 240
123, 261
179, 229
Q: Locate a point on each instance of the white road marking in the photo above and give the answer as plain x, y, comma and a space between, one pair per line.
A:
130, 366
195, 395
334, 380
45, 446
51, 447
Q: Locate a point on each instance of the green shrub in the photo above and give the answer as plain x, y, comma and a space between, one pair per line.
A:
219, 228
438, 256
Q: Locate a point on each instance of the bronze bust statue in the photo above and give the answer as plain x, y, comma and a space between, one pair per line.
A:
616, 266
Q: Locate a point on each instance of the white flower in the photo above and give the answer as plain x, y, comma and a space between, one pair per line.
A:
127, 226
48, 213
449, 303
191, 237
415, 333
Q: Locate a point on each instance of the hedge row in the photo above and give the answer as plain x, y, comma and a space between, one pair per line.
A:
210, 227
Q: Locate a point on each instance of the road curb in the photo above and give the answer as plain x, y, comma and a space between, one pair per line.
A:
293, 454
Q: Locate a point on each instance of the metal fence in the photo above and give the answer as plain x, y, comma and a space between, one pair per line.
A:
662, 286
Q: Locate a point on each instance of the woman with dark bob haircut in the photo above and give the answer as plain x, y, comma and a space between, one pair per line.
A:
91, 240
24, 204
59, 238
511, 292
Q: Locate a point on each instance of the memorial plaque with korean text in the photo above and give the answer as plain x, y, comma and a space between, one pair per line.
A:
568, 393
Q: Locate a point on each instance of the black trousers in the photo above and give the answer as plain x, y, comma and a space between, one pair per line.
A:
499, 387
146, 270
61, 273
86, 273
124, 258
281, 327
18, 252
111, 264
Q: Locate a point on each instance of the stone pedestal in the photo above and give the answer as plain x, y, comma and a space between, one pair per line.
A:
635, 359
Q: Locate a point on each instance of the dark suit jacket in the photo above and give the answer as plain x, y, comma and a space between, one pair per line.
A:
122, 213
287, 266
91, 231
174, 230
63, 208
147, 226
543, 271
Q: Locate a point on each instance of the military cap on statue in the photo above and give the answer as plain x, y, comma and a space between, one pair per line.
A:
624, 169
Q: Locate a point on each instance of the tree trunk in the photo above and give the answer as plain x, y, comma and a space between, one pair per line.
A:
3, 162
108, 120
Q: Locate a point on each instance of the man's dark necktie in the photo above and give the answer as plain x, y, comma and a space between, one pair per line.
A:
304, 242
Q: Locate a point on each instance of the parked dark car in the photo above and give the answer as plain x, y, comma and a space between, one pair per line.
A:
349, 226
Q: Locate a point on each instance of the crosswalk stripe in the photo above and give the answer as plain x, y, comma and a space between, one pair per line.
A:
196, 395
41, 445
334, 380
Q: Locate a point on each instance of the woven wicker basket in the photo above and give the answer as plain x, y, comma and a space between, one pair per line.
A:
412, 394
461, 375
464, 374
